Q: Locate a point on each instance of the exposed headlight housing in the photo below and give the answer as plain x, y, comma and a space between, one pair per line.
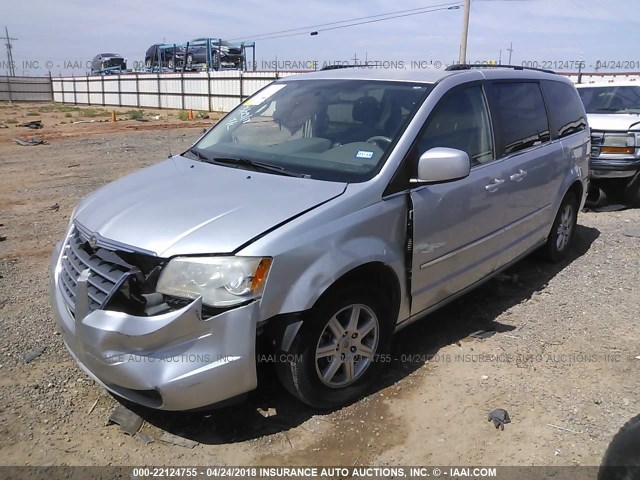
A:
220, 281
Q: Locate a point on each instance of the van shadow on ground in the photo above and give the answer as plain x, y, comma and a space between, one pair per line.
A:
449, 325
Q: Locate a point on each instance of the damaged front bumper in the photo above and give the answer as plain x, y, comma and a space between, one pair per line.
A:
172, 361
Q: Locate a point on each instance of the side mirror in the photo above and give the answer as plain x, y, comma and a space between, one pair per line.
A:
442, 164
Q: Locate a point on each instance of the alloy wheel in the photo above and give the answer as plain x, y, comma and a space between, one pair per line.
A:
565, 227
347, 345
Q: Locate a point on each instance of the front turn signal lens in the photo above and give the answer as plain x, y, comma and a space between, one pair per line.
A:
624, 150
260, 275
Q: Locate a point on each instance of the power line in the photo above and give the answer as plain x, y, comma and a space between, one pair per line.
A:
389, 18
343, 21
396, 14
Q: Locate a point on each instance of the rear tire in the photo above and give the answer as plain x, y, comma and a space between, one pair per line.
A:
563, 230
339, 348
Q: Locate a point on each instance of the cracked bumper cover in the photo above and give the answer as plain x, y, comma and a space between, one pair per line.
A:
173, 361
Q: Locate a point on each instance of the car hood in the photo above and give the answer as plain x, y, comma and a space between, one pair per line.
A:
620, 122
182, 206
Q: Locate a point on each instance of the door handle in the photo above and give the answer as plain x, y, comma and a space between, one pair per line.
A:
493, 186
516, 177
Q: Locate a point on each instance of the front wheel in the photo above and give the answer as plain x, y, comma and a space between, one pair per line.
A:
562, 230
338, 349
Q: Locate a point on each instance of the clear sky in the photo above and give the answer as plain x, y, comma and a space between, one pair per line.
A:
65, 34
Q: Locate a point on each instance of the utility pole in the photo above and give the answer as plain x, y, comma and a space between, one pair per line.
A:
510, 50
10, 67
465, 32
580, 67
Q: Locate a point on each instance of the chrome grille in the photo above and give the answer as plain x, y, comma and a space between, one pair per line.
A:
105, 277
596, 143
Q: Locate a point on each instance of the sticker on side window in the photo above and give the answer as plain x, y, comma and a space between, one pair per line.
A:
364, 154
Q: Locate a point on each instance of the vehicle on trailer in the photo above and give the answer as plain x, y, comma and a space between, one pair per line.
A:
320, 216
614, 116
106, 63
165, 56
224, 55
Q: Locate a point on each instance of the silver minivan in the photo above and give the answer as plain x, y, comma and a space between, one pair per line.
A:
320, 216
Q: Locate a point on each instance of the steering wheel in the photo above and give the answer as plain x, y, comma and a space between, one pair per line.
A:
379, 138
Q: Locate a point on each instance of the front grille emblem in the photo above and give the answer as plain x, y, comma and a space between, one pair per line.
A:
93, 241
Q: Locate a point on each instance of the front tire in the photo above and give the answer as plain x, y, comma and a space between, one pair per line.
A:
563, 229
339, 348
632, 191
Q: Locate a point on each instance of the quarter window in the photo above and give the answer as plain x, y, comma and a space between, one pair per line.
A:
460, 121
565, 109
520, 112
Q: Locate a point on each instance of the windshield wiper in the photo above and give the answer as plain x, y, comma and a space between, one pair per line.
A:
198, 154
245, 162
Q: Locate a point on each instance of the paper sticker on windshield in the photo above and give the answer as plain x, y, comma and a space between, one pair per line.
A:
364, 154
264, 94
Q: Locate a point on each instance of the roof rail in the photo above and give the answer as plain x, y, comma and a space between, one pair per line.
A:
469, 66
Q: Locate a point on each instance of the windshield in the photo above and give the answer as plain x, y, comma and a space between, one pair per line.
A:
620, 99
339, 130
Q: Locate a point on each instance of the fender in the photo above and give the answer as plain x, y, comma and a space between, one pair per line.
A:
336, 262
308, 257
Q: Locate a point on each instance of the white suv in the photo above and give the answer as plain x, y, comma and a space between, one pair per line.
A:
614, 117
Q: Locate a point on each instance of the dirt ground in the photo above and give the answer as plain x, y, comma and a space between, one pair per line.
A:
564, 361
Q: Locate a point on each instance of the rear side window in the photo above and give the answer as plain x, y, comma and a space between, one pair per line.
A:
521, 116
566, 114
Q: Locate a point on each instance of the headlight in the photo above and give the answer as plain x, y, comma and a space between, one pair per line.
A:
220, 281
619, 143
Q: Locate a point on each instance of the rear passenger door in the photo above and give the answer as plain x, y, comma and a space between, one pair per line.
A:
533, 164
